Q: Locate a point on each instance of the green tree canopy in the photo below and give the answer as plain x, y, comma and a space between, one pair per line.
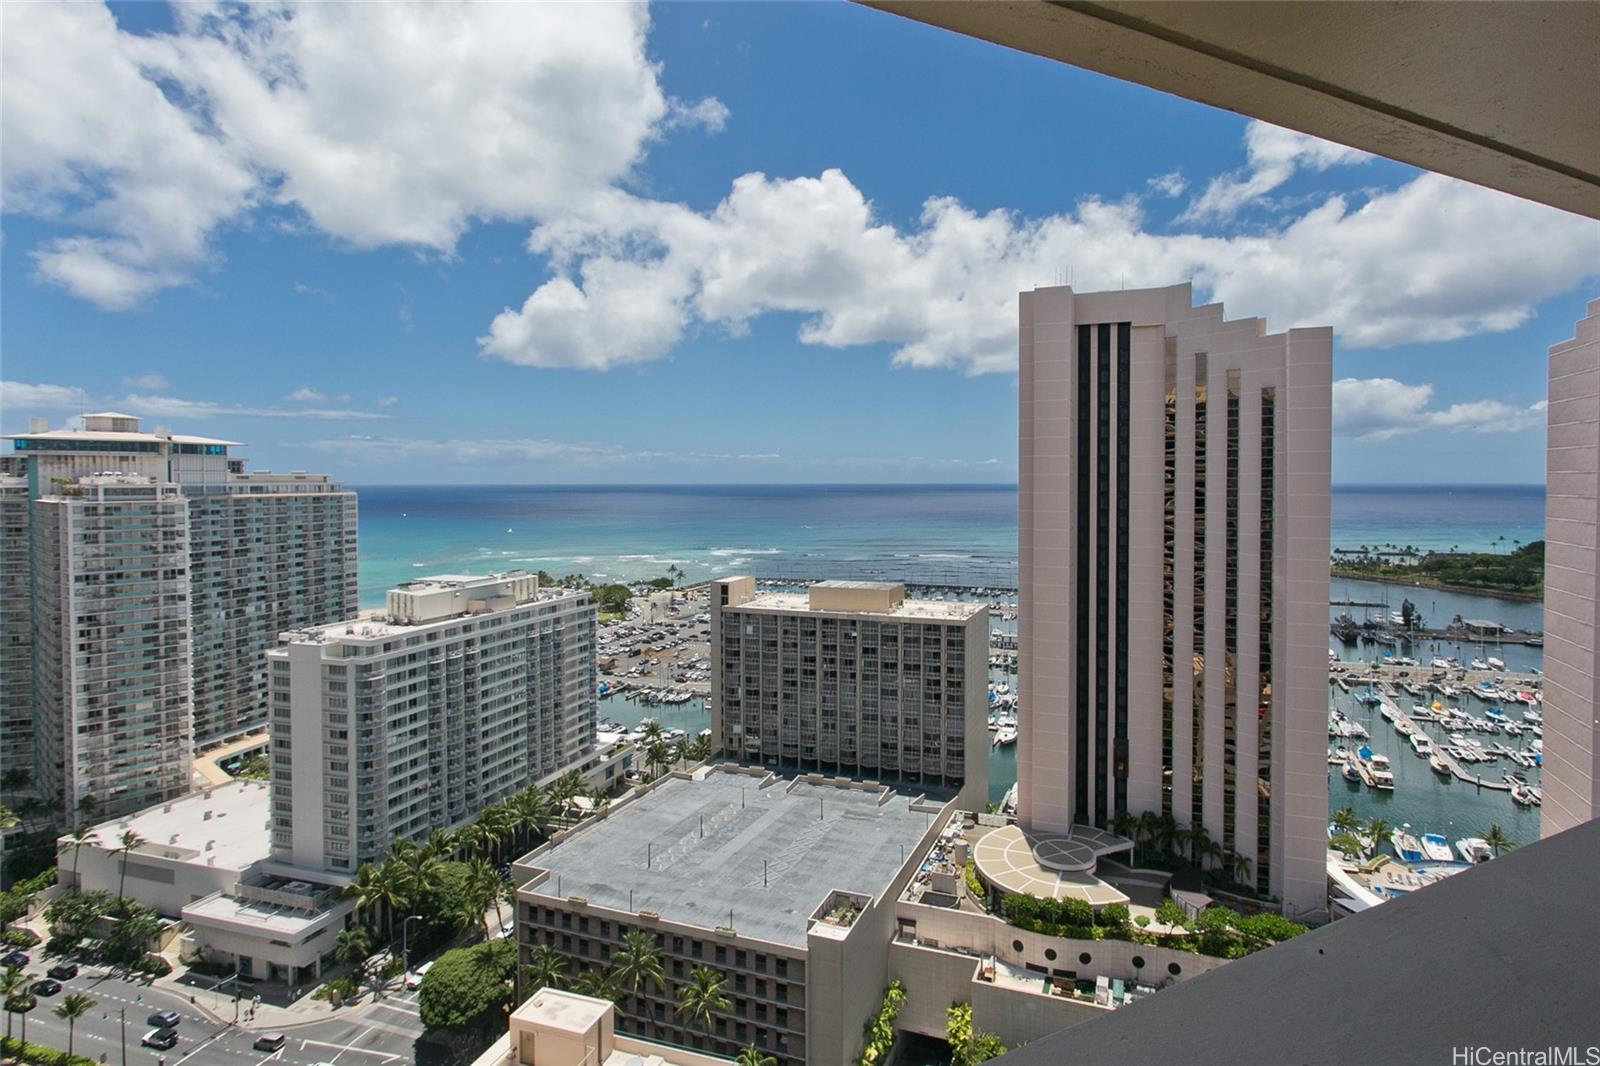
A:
465, 984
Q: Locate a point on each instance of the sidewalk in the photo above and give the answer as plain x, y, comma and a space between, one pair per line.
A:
268, 1016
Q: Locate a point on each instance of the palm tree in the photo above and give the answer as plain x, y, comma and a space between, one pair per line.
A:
473, 839
601, 984
12, 984
1238, 867
638, 962
754, 1056
86, 807
1345, 820
81, 834
483, 888
130, 840
1122, 823
534, 804
20, 1001
1145, 830
1378, 830
416, 872
653, 731
701, 997
501, 825
567, 785
441, 844
353, 948
1497, 840
72, 1007
377, 888
657, 755
545, 969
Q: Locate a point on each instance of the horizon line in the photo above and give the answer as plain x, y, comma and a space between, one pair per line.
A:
987, 485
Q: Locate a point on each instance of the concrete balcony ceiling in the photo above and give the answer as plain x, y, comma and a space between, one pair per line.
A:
1504, 95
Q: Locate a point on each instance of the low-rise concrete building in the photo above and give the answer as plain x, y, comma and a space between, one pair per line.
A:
203, 859
784, 887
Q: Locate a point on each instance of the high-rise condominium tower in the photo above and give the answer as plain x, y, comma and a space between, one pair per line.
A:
91, 519
1173, 542
1571, 773
387, 727
852, 678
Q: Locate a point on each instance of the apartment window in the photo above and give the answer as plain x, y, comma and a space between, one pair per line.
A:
1081, 590
1269, 501
1197, 746
1230, 687
1119, 761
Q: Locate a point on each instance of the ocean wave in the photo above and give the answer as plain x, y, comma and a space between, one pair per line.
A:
946, 555
723, 552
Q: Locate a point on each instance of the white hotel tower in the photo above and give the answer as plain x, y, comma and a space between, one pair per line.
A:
1173, 543
392, 725
143, 576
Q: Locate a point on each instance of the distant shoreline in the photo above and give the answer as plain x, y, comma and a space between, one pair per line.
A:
1465, 590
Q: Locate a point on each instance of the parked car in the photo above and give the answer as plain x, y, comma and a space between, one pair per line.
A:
414, 978
270, 1041
164, 1019
47, 987
15, 958
161, 1039
63, 971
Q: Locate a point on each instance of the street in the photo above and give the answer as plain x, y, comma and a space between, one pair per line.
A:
373, 1034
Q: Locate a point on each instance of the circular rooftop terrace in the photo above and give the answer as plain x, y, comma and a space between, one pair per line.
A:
1049, 865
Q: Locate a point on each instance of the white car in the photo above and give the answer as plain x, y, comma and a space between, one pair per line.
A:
414, 978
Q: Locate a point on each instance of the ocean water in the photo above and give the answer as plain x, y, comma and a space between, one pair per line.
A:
927, 534
964, 534
934, 534
1469, 517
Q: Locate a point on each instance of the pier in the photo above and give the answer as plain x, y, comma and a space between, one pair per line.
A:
1455, 768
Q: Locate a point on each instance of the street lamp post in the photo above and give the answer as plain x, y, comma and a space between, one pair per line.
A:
405, 939
124, 1013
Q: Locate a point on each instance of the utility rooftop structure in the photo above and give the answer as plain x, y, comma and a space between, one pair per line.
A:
390, 726
786, 887
853, 678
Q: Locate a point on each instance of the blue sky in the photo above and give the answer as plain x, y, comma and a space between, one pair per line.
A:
704, 243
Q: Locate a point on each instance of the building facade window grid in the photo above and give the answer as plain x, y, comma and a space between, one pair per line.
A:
1266, 712
1197, 714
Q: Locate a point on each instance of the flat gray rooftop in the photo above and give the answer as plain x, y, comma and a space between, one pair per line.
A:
853, 846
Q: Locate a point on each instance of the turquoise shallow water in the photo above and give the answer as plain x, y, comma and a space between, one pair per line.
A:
955, 534
958, 534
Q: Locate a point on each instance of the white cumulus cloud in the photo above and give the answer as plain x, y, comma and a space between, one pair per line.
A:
1272, 154
1376, 409
377, 124
1406, 265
